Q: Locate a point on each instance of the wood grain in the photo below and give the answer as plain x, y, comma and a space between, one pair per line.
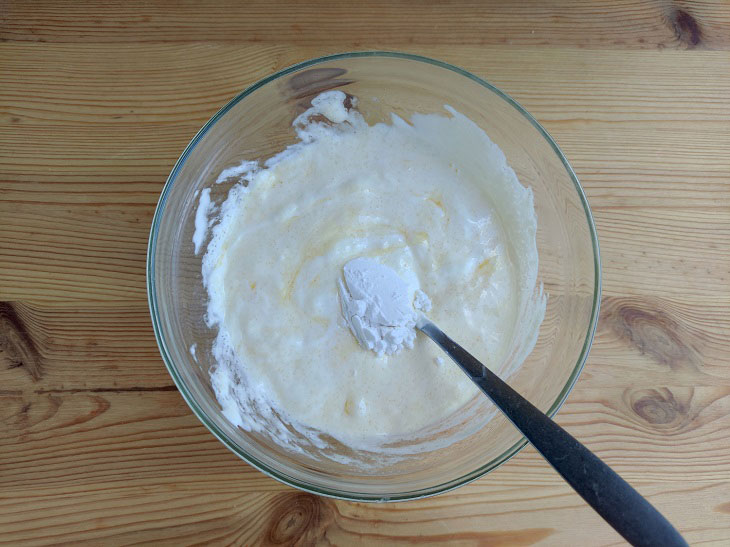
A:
381, 23
97, 102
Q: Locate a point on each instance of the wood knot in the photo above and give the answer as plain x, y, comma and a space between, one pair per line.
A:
299, 519
16, 343
686, 28
658, 406
653, 332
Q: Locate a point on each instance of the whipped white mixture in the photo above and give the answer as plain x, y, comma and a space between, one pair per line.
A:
297, 291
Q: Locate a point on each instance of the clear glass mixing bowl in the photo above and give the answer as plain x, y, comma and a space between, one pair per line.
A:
256, 124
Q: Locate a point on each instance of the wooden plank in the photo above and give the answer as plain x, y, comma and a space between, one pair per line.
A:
123, 84
223, 510
665, 251
92, 251
380, 24
49, 349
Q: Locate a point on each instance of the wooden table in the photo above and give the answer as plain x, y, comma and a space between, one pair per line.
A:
98, 99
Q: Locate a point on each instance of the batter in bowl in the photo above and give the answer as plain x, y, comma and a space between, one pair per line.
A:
432, 198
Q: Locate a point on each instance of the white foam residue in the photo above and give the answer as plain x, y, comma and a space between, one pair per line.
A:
201, 219
242, 171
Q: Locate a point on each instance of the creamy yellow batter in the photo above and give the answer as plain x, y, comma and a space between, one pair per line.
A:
431, 198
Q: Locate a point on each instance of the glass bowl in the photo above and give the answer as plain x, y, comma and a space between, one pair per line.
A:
256, 124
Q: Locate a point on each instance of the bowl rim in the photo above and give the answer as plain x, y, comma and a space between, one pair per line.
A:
283, 477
